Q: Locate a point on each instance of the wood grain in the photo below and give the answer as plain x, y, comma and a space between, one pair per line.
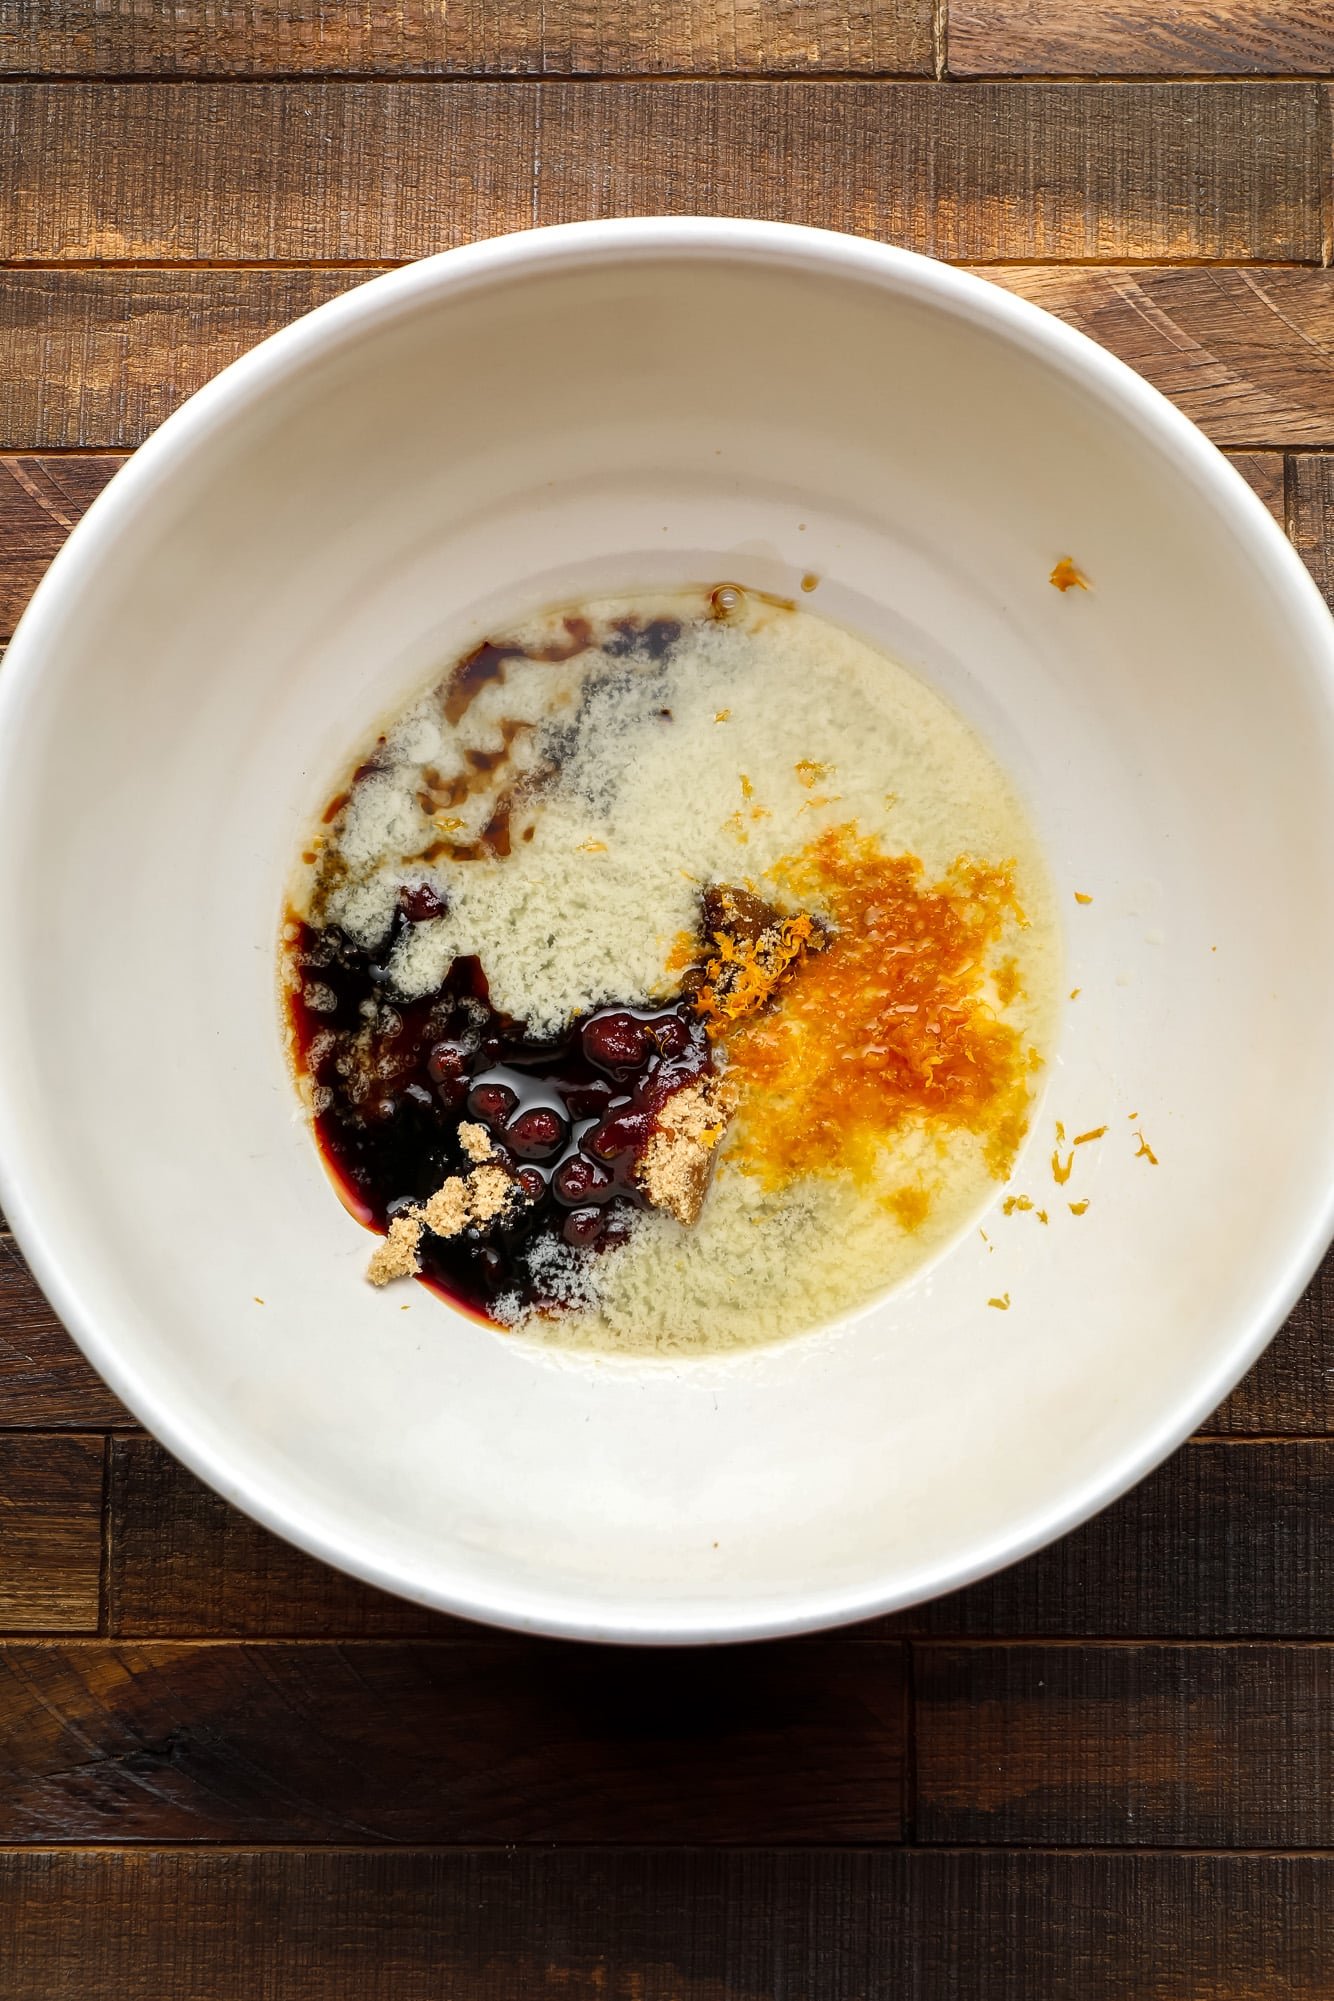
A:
1291, 1387
50, 1533
1224, 1539
1312, 496
1140, 37
99, 358
40, 501
664, 1925
184, 1562
1247, 354
264, 173
1264, 473
495, 1741
469, 37
44, 1380
1191, 1746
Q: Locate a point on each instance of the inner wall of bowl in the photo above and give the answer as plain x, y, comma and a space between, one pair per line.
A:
496, 449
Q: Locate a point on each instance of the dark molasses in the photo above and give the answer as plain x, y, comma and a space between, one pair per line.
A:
393, 1080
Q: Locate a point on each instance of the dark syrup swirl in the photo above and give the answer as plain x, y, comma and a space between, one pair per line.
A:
393, 1080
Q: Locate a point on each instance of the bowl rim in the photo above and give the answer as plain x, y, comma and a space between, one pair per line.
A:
39, 1229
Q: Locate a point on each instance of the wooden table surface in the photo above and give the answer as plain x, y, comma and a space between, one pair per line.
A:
227, 1774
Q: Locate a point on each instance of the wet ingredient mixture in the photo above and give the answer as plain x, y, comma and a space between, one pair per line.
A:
673, 975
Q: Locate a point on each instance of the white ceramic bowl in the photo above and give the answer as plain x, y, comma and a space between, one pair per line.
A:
599, 407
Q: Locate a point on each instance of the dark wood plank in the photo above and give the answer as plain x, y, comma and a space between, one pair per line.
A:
40, 501
184, 1562
469, 37
1264, 473
665, 1925
50, 1533
330, 171
44, 1380
1312, 492
1291, 1387
492, 1742
99, 358
1192, 1746
1140, 37
1226, 1539
1249, 355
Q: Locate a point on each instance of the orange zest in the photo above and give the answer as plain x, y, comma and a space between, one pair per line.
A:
889, 1024
909, 1207
755, 971
1008, 987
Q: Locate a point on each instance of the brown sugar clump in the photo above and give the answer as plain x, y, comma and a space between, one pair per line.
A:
475, 1141
449, 1210
678, 1161
490, 1192
396, 1257
463, 1200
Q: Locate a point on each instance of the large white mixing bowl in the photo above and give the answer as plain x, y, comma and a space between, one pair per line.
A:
595, 408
